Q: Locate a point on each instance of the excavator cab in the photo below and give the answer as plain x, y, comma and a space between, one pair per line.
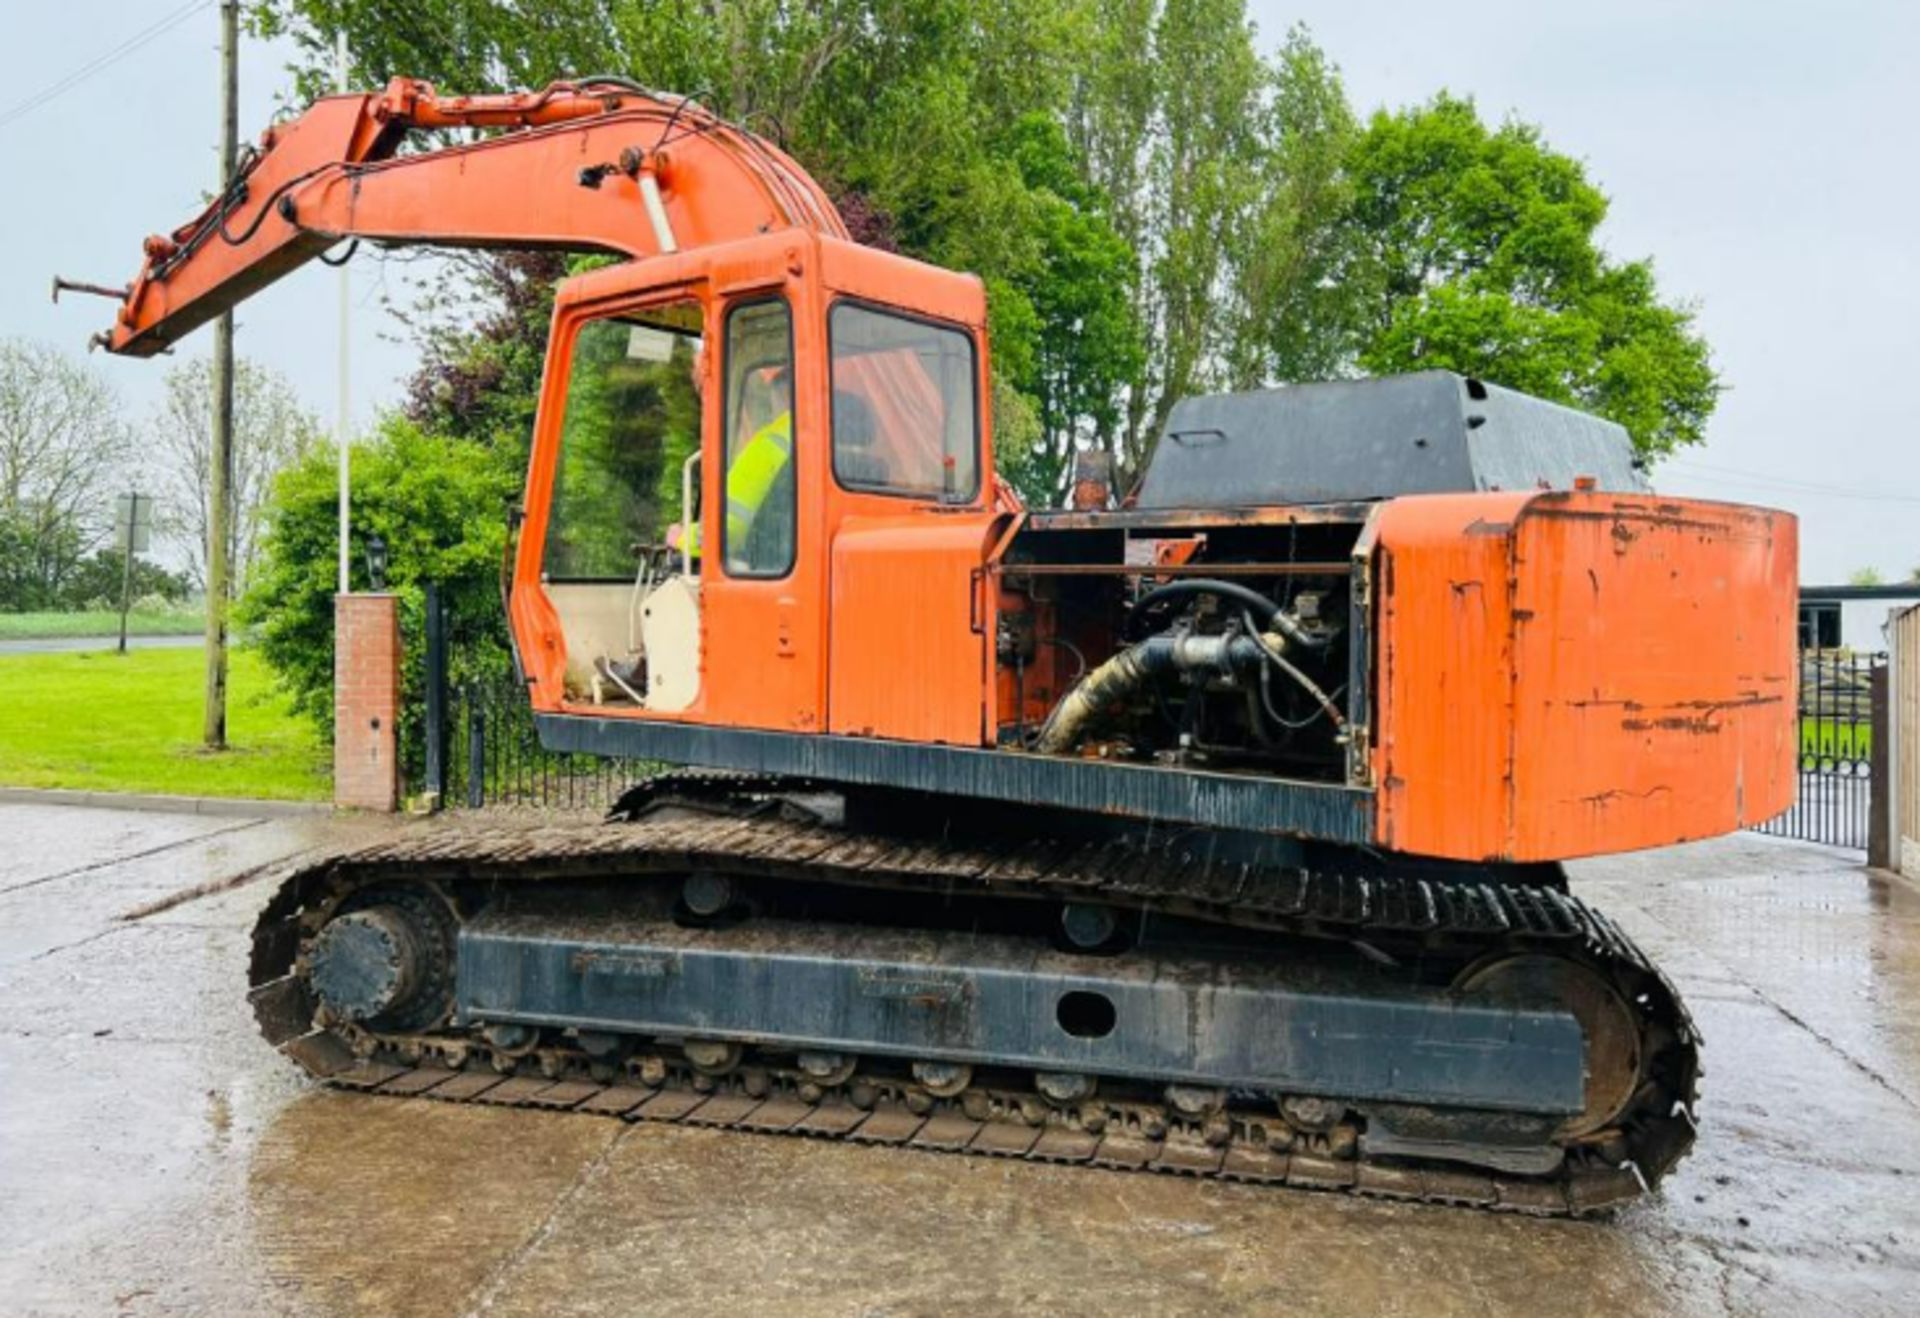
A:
731, 444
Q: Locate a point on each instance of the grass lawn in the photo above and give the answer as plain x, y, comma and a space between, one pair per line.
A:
99, 622
107, 722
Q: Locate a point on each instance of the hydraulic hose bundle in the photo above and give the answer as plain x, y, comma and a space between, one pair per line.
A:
1270, 631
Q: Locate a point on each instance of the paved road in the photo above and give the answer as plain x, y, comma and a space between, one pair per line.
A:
156, 1158
61, 644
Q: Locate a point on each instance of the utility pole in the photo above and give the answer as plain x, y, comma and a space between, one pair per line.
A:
346, 310
220, 478
132, 543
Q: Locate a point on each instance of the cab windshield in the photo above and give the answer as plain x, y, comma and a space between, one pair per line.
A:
633, 417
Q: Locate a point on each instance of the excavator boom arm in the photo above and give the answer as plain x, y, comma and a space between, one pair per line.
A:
599, 165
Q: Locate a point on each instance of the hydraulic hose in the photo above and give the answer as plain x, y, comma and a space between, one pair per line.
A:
1270, 616
1131, 670
1135, 667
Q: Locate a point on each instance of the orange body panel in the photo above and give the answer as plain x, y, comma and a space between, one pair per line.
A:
1578, 673
909, 655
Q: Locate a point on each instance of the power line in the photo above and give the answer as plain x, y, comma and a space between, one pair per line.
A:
20, 109
1790, 484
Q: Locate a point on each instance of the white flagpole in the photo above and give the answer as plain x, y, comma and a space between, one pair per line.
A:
343, 423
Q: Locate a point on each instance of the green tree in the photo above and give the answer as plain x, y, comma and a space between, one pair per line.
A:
926, 119
1865, 576
440, 506
1481, 257
1087, 344
63, 457
96, 582
1226, 174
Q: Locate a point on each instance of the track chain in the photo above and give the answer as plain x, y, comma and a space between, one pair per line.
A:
756, 835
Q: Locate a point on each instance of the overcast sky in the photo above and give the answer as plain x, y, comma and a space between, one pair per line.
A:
1761, 151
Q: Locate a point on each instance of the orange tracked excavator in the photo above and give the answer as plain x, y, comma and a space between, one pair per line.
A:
1218, 833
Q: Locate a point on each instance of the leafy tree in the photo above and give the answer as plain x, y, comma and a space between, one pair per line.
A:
439, 504
917, 115
62, 450
1480, 257
1210, 218
37, 562
270, 431
1297, 296
1865, 576
483, 335
1086, 339
96, 582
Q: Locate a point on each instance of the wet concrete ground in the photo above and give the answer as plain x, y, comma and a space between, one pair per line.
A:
155, 1157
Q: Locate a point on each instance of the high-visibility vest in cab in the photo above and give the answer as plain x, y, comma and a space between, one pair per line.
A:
751, 479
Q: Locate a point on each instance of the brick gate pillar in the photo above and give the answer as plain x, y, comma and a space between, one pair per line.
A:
366, 702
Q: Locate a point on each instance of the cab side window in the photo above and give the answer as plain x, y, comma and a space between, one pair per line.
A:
632, 419
903, 405
757, 528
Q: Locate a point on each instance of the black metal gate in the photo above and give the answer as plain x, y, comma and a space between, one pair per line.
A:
481, 748
1839, 723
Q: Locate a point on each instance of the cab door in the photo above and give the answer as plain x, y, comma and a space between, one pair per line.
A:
761, 576
910, 539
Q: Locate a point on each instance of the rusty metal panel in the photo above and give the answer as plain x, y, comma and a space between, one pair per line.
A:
1658, 637
1569, 674
1444, 727
908, 649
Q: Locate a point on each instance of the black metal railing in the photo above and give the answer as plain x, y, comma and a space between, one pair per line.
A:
1839, 723
494, 758
479, 746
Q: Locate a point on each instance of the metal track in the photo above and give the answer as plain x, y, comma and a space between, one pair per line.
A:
998, 1115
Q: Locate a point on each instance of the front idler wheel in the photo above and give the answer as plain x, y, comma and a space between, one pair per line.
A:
385, 960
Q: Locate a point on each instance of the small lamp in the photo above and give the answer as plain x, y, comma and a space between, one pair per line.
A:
376, 562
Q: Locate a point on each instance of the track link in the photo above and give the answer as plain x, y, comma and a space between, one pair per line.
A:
743, 827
